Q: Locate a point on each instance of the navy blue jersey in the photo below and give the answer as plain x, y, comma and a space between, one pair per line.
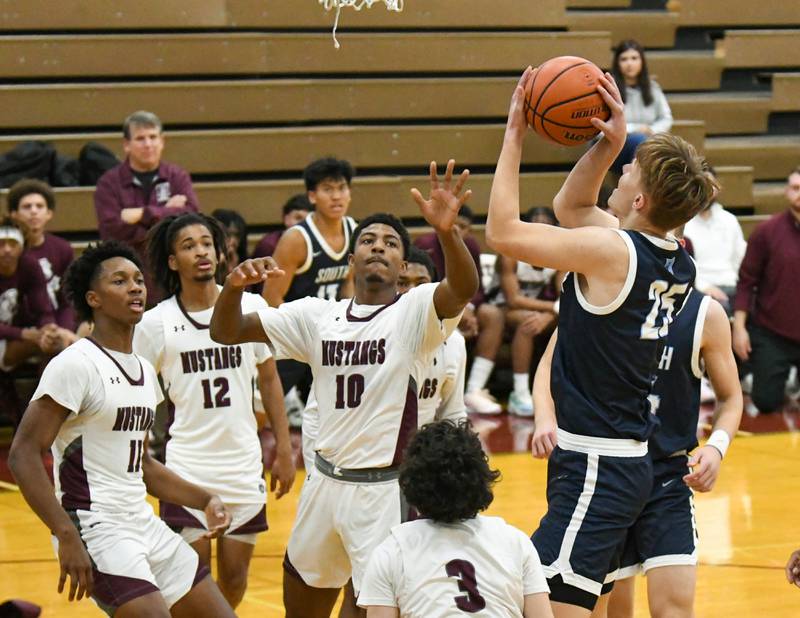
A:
676, 392
605, 359
324, 270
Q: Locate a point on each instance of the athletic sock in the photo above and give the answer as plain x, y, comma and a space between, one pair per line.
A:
479, 374
521, 384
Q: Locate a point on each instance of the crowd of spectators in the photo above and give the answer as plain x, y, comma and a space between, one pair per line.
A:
509, 320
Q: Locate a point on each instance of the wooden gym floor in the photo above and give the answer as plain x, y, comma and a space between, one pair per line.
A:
748, 528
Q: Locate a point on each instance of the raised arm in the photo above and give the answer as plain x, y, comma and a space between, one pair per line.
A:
35, 436
440, 210
721, 368
228, 325
290, 254
283, 469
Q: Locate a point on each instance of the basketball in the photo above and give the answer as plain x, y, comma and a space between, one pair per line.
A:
562, 98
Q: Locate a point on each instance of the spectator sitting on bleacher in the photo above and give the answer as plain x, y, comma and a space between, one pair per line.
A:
31, 204
481, 320
529, 296
646, 109
27, 319
718, 248
235, 238
295, 210
769, 294
133, 196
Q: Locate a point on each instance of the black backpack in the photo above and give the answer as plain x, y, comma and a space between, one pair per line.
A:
95, 160
32, 159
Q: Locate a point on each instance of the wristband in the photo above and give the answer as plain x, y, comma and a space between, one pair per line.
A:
720, 440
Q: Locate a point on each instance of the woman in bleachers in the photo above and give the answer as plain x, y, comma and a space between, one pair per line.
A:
646, 108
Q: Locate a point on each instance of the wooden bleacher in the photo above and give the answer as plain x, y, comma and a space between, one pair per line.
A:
252, 91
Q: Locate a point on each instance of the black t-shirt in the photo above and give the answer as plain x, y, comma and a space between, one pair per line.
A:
146, 179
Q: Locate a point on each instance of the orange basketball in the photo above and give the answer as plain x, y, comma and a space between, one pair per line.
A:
562, 98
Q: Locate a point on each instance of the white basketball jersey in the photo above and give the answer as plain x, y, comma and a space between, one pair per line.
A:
481, 567
532, 280
213, 440
97, 454
368, 363
441, 394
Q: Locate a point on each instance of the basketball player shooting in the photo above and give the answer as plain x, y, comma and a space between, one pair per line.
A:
624, 287
368, 356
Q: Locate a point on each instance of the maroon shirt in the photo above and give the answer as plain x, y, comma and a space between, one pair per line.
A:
266, 246
23, 299
430, 244
769, 277
54, 256
118, 188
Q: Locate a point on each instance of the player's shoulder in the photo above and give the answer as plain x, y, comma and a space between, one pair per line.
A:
76, 358
419, 293
493, 527
156, 314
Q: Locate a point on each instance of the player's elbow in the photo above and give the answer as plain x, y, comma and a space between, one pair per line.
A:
220, 332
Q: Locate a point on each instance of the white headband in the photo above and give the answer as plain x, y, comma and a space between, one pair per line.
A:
9, 232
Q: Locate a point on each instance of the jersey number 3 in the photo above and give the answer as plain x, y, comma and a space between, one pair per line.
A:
465, 573
656, 325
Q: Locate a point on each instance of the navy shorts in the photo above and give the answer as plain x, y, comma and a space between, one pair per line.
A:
596, 489
665, 534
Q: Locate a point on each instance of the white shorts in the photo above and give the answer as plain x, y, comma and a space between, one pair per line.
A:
134, 555
247, 520
338, 524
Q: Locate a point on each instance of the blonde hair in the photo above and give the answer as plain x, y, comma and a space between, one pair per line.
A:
676, 178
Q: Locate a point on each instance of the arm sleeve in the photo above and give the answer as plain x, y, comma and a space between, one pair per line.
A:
422, 327
663, 122
751, 270
148, 338
9, 332
382, 577
291, 328
452, 405
533, 577
108, 207
67, 380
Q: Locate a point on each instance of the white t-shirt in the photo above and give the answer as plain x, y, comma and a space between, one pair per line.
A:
213, 440
480, 566
441, 394
97, 454
367, 362
719, 247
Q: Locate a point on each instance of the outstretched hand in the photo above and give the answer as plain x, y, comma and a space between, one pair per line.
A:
614, 129
256, 270
441, 208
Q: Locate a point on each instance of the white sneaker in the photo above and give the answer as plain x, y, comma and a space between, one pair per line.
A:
792, 388
751, 410
747, 384
707, 394
520, 404
481, 402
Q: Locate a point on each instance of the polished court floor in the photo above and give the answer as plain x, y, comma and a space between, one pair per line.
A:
748, 527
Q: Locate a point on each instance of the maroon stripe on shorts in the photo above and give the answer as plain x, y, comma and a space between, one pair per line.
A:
112, 591
408, 423
289, 568
257, 524
201, 573
72, 478
175, 515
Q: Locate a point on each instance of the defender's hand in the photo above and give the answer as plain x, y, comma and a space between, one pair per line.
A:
441, 208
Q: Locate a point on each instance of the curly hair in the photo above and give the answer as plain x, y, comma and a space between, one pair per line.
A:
28, 186
161, 244
83, 272
386, 219
446, 475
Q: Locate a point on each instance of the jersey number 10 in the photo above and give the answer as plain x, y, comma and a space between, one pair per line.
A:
656, 325
349, 390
